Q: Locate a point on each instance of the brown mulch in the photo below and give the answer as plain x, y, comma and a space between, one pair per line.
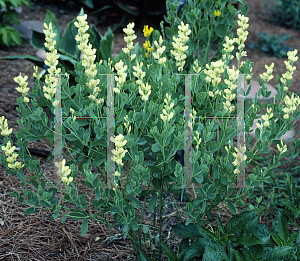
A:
34, 237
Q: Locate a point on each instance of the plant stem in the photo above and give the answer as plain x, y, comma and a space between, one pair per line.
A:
154, 219
161, 203
161, 212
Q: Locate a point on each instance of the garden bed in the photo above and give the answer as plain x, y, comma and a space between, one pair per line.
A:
34, 237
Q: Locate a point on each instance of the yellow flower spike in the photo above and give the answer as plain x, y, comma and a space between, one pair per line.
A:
147, 32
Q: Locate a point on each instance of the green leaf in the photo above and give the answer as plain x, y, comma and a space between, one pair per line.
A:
257, 133
37, 40
156, 147
169, 252
16, 36
276, 253
221, 30
128, 9
29, 211
169, 32
71, 137
214, 251
33, 59
165, 78
14, 3
277, 239
5, 37
2, 3
45, 204
202, 33
98, 160
63, 220
144, 257
84, 227
249, 240
68, 45
152, 203
282, 229
186, 231
68, 58
232, 208
88, 3
76, 215
35, 117
106, 44
31, 137
190, 17
134, 201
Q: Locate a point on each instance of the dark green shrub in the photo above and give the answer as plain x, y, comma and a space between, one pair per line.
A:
284, 13
272, 45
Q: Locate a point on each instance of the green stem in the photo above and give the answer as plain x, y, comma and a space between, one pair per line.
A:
206, 48
154, 229
161, 212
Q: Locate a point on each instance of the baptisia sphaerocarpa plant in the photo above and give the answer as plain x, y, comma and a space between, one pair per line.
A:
148, 87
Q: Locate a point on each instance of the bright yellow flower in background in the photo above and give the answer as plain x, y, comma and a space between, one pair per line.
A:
217, 13
147, 32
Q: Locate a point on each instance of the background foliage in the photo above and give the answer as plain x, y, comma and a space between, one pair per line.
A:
283, 12
10, 36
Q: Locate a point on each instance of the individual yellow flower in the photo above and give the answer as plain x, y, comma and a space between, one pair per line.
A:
117, 174
64, 171
35, 68
283, 149
51, 61
147, 32
127, 124
11, 156
290, 69
129, 38
167, 115
241, 32
267, 76
121, 78
217, 13
148, 47
4, 127
159, 50
88, 53
291, 104
23, 89
266, 118
240, 157
179, 45
198, 140
119, 153
196, 67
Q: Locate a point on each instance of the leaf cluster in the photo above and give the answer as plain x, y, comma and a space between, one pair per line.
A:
10, 36
283, 12
272, 44
242, 239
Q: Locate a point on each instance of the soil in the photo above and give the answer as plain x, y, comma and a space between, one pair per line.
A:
34, 237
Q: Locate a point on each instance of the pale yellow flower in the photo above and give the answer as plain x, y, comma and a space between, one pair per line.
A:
179, 45
167, 115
